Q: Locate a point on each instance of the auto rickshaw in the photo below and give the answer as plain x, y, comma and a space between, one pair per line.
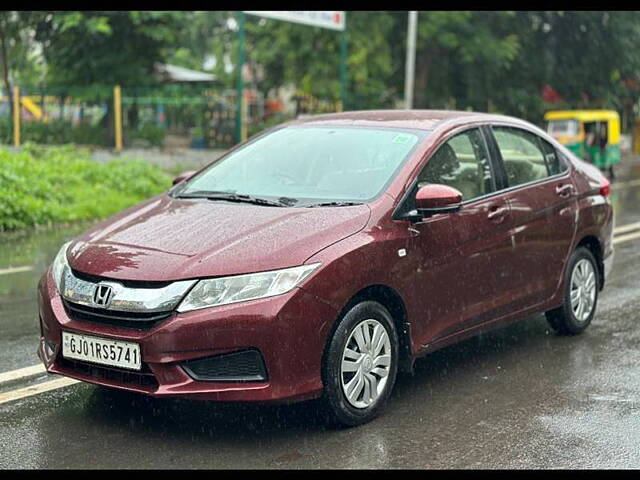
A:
593, 135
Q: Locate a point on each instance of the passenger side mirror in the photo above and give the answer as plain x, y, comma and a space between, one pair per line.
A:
183, 176
436, 198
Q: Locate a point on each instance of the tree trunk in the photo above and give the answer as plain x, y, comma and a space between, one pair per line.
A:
422, 78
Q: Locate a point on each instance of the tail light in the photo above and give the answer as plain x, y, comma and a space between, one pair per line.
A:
605, 187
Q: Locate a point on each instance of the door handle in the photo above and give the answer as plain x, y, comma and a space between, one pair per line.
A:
564, 190
497, 213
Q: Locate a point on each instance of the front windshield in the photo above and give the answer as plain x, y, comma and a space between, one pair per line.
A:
563, 128
311, 164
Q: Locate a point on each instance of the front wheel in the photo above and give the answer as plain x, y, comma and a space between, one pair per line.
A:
580, 295
360, 364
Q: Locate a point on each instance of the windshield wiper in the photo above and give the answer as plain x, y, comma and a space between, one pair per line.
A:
242, 198
204, 194
333, 204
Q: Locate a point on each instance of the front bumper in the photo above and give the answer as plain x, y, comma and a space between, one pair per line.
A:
289, 331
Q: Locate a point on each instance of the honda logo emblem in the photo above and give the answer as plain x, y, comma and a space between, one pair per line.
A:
102, 295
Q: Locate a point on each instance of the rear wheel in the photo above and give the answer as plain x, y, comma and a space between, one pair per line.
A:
360, 364
580, 295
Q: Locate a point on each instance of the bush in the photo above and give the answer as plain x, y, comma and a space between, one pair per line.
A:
55, 132
153, 134
44, 185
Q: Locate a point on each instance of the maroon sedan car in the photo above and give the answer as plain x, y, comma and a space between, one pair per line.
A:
323, 256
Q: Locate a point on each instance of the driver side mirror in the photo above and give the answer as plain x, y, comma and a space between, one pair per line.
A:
436, 198
183, 176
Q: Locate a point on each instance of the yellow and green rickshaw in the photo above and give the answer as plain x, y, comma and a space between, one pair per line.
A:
593, 135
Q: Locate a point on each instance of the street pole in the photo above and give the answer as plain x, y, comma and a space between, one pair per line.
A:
343, 69
16, 117
410, 60
240, 84
117, 112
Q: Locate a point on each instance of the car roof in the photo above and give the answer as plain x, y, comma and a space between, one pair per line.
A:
416, 119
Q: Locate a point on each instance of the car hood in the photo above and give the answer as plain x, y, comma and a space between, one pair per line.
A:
167, 239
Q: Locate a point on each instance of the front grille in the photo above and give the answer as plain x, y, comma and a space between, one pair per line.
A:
243, 366
143, 378
136, 320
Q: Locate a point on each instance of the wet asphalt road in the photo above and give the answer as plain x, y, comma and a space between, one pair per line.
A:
520, 397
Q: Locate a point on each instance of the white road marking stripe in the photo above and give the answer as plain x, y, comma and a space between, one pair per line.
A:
25, 372
631, 183
625, 238
626, 228
36, 389
7, 271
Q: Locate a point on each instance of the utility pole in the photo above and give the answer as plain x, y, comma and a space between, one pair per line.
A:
410, 60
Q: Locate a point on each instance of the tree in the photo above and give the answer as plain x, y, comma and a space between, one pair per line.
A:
105, 48
19, 60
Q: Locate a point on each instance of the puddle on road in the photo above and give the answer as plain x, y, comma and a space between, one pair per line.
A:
35, 247
18, 310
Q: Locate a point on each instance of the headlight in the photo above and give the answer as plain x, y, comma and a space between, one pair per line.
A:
240, 288
59, 264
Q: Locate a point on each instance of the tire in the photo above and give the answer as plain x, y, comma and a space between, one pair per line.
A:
582, 278
376, 377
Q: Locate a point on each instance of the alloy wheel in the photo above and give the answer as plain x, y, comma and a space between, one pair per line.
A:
583, 289
366, 362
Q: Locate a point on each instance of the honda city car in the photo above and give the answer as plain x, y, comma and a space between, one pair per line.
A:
322, 257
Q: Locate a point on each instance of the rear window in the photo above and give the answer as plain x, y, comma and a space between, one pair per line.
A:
522, 155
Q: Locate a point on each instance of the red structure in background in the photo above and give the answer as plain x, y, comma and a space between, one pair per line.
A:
550, 95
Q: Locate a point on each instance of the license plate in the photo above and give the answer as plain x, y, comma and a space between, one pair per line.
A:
114, 353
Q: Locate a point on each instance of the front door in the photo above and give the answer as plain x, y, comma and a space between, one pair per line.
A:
464, 257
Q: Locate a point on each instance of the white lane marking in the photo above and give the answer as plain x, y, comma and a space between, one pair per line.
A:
631, 183
6, 271
626, 228
25, 372
36, 389
626, 238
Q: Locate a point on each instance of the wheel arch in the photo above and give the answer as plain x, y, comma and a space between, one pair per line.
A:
591, 243
393, 302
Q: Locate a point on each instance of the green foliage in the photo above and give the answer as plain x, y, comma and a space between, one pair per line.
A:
55, 132
152, 134
309, 57
105, 48
41, 185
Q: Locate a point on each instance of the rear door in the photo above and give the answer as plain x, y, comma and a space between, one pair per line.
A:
542, 201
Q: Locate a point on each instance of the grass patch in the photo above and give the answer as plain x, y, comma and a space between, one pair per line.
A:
48, 185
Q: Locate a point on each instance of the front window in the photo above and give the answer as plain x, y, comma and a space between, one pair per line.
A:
463, 163
562, 128
311, 165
